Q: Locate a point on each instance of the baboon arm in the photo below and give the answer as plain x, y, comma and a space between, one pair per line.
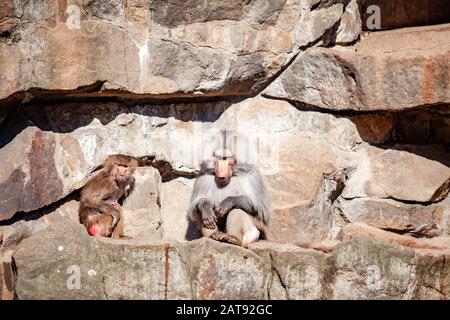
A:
97, 194
205, 207
237, 202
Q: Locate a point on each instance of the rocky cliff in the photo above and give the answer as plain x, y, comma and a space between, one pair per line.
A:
350, 127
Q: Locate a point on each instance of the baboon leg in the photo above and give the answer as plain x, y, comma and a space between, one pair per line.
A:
242, 226
208, 232
98, 225
217, 235
118, 231
224, 237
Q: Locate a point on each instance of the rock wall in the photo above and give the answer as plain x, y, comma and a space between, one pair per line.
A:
350, 129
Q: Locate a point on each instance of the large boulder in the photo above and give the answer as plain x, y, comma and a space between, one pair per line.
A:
392, 70
406, 218
155, 48
73, 265
394, 174
71, 269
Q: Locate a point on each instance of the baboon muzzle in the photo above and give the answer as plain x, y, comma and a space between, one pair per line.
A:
222, 172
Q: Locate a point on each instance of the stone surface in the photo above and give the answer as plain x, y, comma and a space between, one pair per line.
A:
406, 13
206, 269
392, 173
6, 275
370, 76
355, 230
350, 133
414, 219
154, 48
375, 128
350, 26
313, 24
25, 161
297, 274
66, 272
366, 269
303, 197
176, 195
141, 209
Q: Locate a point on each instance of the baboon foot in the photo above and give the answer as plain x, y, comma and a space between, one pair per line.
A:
224, 237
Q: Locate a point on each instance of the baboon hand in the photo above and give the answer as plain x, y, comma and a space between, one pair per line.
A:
209, 219
223, 208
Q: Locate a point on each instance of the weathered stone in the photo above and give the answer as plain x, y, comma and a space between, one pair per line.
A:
297, 274
355, 230
313, 24
225, 272
350, 26
119, 269
302, 197
412, 127
434, 271
176, 195
207, 269
391, 215
368, 269
176, 48
68, 267
374, 128
13, 234
158, 79
141, 209
406, 71
26, 161
393, 173
67, 210
141, 272
305, 156
6, 275
174, 137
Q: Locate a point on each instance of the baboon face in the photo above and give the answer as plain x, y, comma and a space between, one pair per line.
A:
224, 167
120, 167
121, 172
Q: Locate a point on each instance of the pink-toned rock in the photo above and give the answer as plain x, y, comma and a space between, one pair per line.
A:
25, 163
6, 275
414, 219
409, 70
179, 50
353, 230
404, 172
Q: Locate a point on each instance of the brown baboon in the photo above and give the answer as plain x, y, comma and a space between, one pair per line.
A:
100, 204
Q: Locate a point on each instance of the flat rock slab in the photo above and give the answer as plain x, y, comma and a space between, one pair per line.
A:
389, 70
153, 48
63, 262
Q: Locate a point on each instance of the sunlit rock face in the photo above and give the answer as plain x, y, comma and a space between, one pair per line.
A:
349, 130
